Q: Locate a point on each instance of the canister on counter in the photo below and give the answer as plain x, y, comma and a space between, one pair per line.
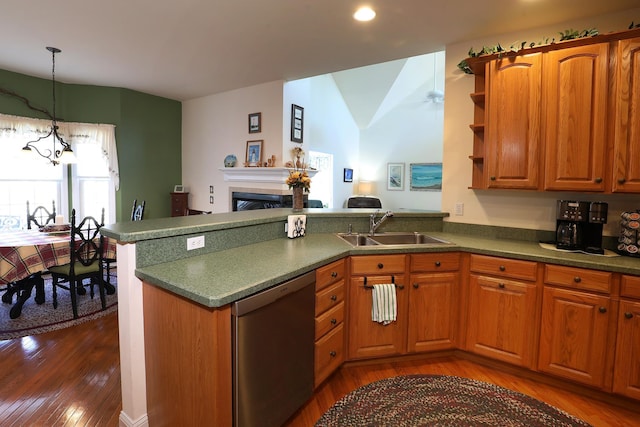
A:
629, 240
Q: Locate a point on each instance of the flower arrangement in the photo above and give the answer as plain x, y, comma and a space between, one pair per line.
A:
298, 177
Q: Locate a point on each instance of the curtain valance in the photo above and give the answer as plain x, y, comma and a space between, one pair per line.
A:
73, 133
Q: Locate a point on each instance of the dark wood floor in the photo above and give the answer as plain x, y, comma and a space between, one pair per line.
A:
71, 377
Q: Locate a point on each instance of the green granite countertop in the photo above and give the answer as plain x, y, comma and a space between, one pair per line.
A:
219, 278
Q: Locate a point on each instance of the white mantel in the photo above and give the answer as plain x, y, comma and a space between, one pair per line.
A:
265, 175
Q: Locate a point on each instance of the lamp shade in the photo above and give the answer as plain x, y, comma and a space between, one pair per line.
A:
366, 188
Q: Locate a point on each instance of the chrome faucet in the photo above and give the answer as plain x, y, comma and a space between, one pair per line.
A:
373, 224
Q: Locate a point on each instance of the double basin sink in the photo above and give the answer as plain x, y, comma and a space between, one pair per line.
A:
391, 239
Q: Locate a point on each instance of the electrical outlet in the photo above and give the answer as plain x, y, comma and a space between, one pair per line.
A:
211, 189
210, 200
459, 209
195, 243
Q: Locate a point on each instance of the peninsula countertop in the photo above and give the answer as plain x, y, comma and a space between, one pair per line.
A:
219, 278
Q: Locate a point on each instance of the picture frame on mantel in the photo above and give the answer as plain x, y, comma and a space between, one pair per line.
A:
297, 123
255, 122
254, 153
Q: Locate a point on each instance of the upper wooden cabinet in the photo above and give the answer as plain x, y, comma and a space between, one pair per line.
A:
561, 117
626, 140
575, 95
513, 136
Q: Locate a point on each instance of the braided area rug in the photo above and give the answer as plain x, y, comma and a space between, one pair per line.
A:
40, 318
440, 400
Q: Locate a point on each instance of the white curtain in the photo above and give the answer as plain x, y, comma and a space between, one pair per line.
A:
73, 133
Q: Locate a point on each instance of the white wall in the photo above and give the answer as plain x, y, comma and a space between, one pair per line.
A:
217, 125
522, 209
328, 128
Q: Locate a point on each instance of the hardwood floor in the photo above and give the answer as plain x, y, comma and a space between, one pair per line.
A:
71, 377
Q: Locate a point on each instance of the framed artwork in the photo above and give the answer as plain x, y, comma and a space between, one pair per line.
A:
348, 175
255, 123
254, 153
297, 123
395, 176
425, 176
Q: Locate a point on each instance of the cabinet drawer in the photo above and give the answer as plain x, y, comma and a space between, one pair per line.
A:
435, 262
630, 286
329, 297
329, 274
377, 264
504, 267
329, 354
578, 278
329, 320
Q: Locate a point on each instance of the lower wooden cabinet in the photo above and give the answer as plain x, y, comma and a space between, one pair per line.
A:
502, 316
574, 335
626, 372
330, 314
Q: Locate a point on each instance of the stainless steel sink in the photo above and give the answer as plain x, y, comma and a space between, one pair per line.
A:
395, 238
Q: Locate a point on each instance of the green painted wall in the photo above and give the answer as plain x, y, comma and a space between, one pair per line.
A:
148, 133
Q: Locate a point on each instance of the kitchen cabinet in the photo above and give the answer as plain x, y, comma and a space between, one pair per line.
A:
330, 314
433, 302
503, 300
575, 88
576, 334
626, 139
179, 204
626, 373
366, 338
513, 133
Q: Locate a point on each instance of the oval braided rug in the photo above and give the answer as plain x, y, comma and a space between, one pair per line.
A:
440, 400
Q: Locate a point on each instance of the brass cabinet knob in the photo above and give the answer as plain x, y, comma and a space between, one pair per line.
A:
334, 321
577, 279
502, 268
628, 315
332, 353
437, 263
621, 180
501, 285
602, 309
334, 274
493, 178
380, 265
334, 297
416, 286
598, 180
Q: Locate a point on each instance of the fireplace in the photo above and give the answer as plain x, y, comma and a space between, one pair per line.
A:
246, 201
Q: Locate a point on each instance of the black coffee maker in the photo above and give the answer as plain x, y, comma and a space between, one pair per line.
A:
579, 225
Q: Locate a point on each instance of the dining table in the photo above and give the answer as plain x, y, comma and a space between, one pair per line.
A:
24, 254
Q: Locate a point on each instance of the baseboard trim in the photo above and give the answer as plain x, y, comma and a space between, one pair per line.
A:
126, 421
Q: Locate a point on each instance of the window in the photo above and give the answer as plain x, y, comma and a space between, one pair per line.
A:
28, 177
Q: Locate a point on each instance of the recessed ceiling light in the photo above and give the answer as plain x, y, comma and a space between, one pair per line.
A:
364, 14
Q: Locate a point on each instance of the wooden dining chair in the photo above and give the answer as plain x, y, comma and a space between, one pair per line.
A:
86, 247
41, 215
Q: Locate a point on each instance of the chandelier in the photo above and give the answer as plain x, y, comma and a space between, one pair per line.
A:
61, 151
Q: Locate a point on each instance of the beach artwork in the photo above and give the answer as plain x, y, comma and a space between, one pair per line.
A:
395, 176
425, 176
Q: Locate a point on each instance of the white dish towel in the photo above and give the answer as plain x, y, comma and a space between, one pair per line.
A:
384, 307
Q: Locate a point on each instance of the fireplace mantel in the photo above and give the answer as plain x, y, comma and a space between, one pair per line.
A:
268, 175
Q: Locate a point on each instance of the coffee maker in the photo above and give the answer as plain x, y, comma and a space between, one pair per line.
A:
579, 225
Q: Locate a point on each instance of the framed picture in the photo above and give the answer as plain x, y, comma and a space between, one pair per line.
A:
297, 123
348, 175
425, 176
254, 153
255, 123
395, 176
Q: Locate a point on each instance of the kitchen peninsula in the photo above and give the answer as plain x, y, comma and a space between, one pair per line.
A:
187, 294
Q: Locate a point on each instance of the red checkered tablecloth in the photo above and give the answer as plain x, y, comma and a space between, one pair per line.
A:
23, 253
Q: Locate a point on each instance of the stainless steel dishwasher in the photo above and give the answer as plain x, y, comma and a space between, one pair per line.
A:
273, 351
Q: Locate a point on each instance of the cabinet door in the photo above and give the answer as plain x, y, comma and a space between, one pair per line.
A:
626, 376
433, 302
367, 338
575, 106
502, 319
626, 168
512, 159
573, 336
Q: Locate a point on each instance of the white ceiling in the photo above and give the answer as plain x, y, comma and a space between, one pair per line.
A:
191, 48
